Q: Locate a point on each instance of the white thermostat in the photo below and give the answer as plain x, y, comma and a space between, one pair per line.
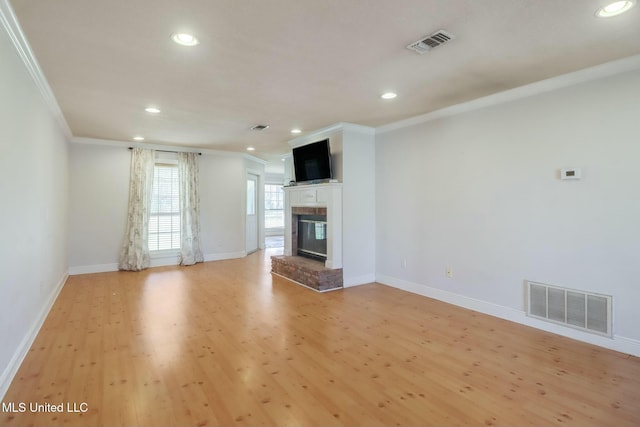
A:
573, 173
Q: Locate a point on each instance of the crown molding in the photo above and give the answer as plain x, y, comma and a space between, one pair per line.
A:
608, 69
326, 131
177, 148
9, 22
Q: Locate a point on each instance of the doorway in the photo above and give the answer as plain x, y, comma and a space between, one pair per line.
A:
252, 213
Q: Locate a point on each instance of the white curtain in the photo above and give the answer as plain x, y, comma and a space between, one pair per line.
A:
190, 252
135, 250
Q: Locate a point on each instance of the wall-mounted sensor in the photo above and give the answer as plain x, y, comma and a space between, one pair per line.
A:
573, 173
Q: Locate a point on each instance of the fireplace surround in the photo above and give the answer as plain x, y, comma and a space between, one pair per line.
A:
313, 211
319, 200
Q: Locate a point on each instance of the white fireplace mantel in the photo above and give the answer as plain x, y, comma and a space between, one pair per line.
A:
327, 196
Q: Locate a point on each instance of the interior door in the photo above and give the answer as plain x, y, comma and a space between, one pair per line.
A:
252, 213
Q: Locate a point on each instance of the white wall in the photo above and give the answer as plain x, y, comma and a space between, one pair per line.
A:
479, 192
33, 216
222, 206
358, 205
99, 196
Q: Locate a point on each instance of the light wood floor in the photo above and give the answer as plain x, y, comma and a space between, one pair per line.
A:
224, 343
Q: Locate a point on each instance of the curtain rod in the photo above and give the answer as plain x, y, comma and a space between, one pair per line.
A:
169, 151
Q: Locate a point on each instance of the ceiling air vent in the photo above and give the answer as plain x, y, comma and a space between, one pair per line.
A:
434, 40
260, 127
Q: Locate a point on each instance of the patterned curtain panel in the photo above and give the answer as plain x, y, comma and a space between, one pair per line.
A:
135, 250
190, 251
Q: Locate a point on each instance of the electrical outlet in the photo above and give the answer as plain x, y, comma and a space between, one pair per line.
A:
449, 272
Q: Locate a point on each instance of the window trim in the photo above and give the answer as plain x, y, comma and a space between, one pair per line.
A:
273, 229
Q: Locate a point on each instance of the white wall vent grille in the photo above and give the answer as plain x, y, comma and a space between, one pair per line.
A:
577, 309
436, 39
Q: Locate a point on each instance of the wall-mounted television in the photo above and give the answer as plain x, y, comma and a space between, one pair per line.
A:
312, 162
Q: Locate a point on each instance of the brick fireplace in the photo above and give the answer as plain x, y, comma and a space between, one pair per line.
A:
320, 205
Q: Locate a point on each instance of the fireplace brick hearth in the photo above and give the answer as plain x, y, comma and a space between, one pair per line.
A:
307, 272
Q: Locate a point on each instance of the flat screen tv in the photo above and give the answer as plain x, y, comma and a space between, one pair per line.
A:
312, 162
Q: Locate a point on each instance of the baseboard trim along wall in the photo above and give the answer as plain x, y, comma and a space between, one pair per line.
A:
89, 269
22, 350
617, 343
224, 255
155, 262
359, 280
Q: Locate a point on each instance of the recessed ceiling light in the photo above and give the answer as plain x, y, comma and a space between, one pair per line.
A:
152, 110
260, 127
184, 39
388, 95
615, 8
138, 138
251, 149
296, 131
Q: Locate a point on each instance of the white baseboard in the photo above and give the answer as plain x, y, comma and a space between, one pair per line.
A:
224, 255
618, 343
161, 261
359, 280
89, 269
22, 350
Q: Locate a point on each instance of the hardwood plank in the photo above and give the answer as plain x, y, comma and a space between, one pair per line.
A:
225, 343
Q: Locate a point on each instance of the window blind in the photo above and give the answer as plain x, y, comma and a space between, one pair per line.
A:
164, 219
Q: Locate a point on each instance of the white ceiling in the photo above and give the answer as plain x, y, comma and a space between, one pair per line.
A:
298, 63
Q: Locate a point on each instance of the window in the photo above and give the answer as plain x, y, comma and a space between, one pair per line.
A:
164, 219
251, 197
274, 206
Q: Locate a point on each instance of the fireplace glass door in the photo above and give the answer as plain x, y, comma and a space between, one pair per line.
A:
312, 236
